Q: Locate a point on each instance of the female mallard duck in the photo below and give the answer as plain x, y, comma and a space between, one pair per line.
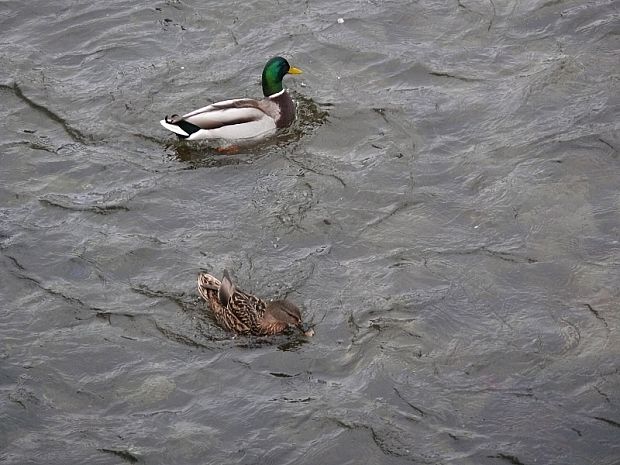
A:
243, 118
243, 313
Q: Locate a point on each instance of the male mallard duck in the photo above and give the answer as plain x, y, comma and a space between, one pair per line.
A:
243, 313
243, 118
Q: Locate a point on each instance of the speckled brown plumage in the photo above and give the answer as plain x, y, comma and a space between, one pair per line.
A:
243, 313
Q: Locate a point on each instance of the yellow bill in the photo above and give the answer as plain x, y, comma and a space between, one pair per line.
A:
293, 70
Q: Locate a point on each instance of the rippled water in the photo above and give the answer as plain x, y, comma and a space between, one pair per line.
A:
446, 211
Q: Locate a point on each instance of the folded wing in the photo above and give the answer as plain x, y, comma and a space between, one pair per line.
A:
229, 119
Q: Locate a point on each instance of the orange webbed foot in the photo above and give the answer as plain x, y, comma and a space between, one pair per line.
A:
229, 149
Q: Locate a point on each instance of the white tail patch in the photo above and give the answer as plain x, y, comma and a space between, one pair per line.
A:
174, 128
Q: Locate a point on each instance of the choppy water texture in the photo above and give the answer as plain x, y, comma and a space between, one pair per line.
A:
446, 211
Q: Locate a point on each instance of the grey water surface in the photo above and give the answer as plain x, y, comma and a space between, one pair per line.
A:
446, 212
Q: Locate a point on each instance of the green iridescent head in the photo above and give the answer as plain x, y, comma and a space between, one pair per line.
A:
274, 72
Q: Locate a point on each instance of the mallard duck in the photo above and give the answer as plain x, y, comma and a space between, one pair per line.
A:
243, 313
243, 118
